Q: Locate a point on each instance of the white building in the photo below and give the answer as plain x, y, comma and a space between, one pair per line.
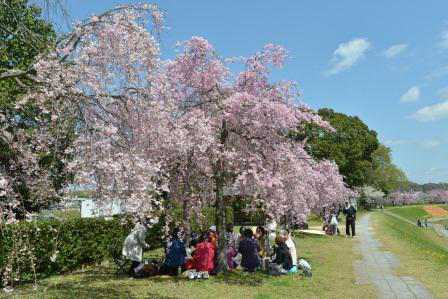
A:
92, 208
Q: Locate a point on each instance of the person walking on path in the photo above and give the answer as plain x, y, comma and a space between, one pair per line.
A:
350, 218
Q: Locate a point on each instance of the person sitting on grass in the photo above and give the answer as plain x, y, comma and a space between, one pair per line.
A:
286, 234
192, 246
204, 255
212, 235
282, 262
260, 235
240, 236
249, 249
133, 247
175, 256
231, 247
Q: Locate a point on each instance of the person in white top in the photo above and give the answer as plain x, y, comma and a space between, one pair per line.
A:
134, 244
286, 234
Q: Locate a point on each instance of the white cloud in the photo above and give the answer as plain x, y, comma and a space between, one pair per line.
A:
443, 93
443, 41
412, 95
395, 50
432, 112
347, 54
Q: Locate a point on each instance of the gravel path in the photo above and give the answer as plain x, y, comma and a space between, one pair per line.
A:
377, 268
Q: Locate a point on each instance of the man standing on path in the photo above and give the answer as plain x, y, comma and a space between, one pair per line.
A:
350, 218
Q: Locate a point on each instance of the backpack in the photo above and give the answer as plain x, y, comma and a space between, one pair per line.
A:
305, 267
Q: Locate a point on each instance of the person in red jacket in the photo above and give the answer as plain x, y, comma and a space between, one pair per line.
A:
203, 259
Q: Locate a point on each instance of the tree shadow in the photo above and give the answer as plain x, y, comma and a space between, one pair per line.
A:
241, 278
75, 289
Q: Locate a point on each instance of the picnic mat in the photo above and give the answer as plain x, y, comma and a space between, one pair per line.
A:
312, 232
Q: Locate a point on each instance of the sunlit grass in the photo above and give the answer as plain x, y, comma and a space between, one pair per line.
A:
410, 212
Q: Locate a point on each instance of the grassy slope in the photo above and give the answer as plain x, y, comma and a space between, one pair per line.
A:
331, 260
422, 253
410, 212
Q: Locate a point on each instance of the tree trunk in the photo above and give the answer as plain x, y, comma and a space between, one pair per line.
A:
220, 218
185, 206
221, 261
186, 221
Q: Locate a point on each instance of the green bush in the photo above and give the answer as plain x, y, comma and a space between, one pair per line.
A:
72, 243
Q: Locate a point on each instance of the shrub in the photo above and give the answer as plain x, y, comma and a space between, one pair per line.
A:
51, 246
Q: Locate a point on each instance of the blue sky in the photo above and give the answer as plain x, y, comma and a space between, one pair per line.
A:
384, 61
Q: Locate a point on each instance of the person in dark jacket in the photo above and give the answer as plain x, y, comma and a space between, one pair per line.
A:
175, 256
249, 249
282, 254
350, 218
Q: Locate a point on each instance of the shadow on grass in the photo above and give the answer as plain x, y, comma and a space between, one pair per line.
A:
104, 283
85, 290
241, 278
91, 286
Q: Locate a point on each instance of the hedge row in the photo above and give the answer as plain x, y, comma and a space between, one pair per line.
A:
60, 246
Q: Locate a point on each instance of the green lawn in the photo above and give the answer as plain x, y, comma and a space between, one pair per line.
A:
409, 212
333, 277
422, 253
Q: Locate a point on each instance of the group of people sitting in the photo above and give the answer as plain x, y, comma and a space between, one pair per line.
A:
247, 250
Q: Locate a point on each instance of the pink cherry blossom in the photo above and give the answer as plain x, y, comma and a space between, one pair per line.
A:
187, 126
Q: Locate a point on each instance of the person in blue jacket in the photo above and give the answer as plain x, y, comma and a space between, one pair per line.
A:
175, 256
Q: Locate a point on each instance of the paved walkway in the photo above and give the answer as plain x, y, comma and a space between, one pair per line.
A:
377, 267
